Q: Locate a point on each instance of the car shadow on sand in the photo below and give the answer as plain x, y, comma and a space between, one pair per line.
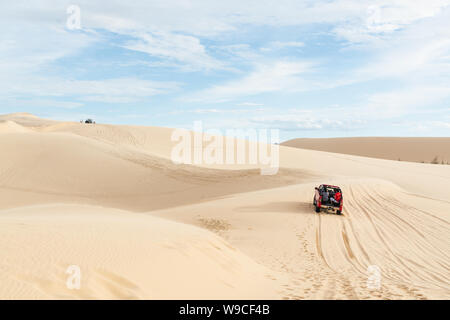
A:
280, 206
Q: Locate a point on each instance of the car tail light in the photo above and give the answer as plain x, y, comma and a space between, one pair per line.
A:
340, 207
320, 202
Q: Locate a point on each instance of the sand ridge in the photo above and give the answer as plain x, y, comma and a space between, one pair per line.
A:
109, 199
415, 149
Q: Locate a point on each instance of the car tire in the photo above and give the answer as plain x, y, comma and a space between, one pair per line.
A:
338, 212
317, 209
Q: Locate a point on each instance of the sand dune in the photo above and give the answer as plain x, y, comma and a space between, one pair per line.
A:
403, 149
26, 119
121, 255
327, 256
108, 198
12, 127
47, 167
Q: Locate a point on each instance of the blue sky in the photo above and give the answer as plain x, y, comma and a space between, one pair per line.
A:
309, 68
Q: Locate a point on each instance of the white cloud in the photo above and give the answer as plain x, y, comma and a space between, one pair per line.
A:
378, 19
418, 51
206, 18
250, 104
403, 40
168, 29
277, 45
294, 121
240, 51
117, 90
399, 62
218, 111
277, 77
426, 127
28, 48
414, 100
440, 124
181, 48
25, 104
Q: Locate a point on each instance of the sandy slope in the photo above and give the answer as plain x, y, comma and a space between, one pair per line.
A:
44, 167
327, 256
8, 126
122, 255
94, 195
391, 148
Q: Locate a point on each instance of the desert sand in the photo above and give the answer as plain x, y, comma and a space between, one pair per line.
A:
418, 149
107, 198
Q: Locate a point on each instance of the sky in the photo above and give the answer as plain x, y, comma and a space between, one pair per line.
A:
308, 68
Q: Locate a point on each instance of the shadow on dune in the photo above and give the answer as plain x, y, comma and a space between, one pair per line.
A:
281, 206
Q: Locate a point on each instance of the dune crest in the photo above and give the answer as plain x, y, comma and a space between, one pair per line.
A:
12, 127
425, 150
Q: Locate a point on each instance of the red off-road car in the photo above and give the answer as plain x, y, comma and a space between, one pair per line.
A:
328, 198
